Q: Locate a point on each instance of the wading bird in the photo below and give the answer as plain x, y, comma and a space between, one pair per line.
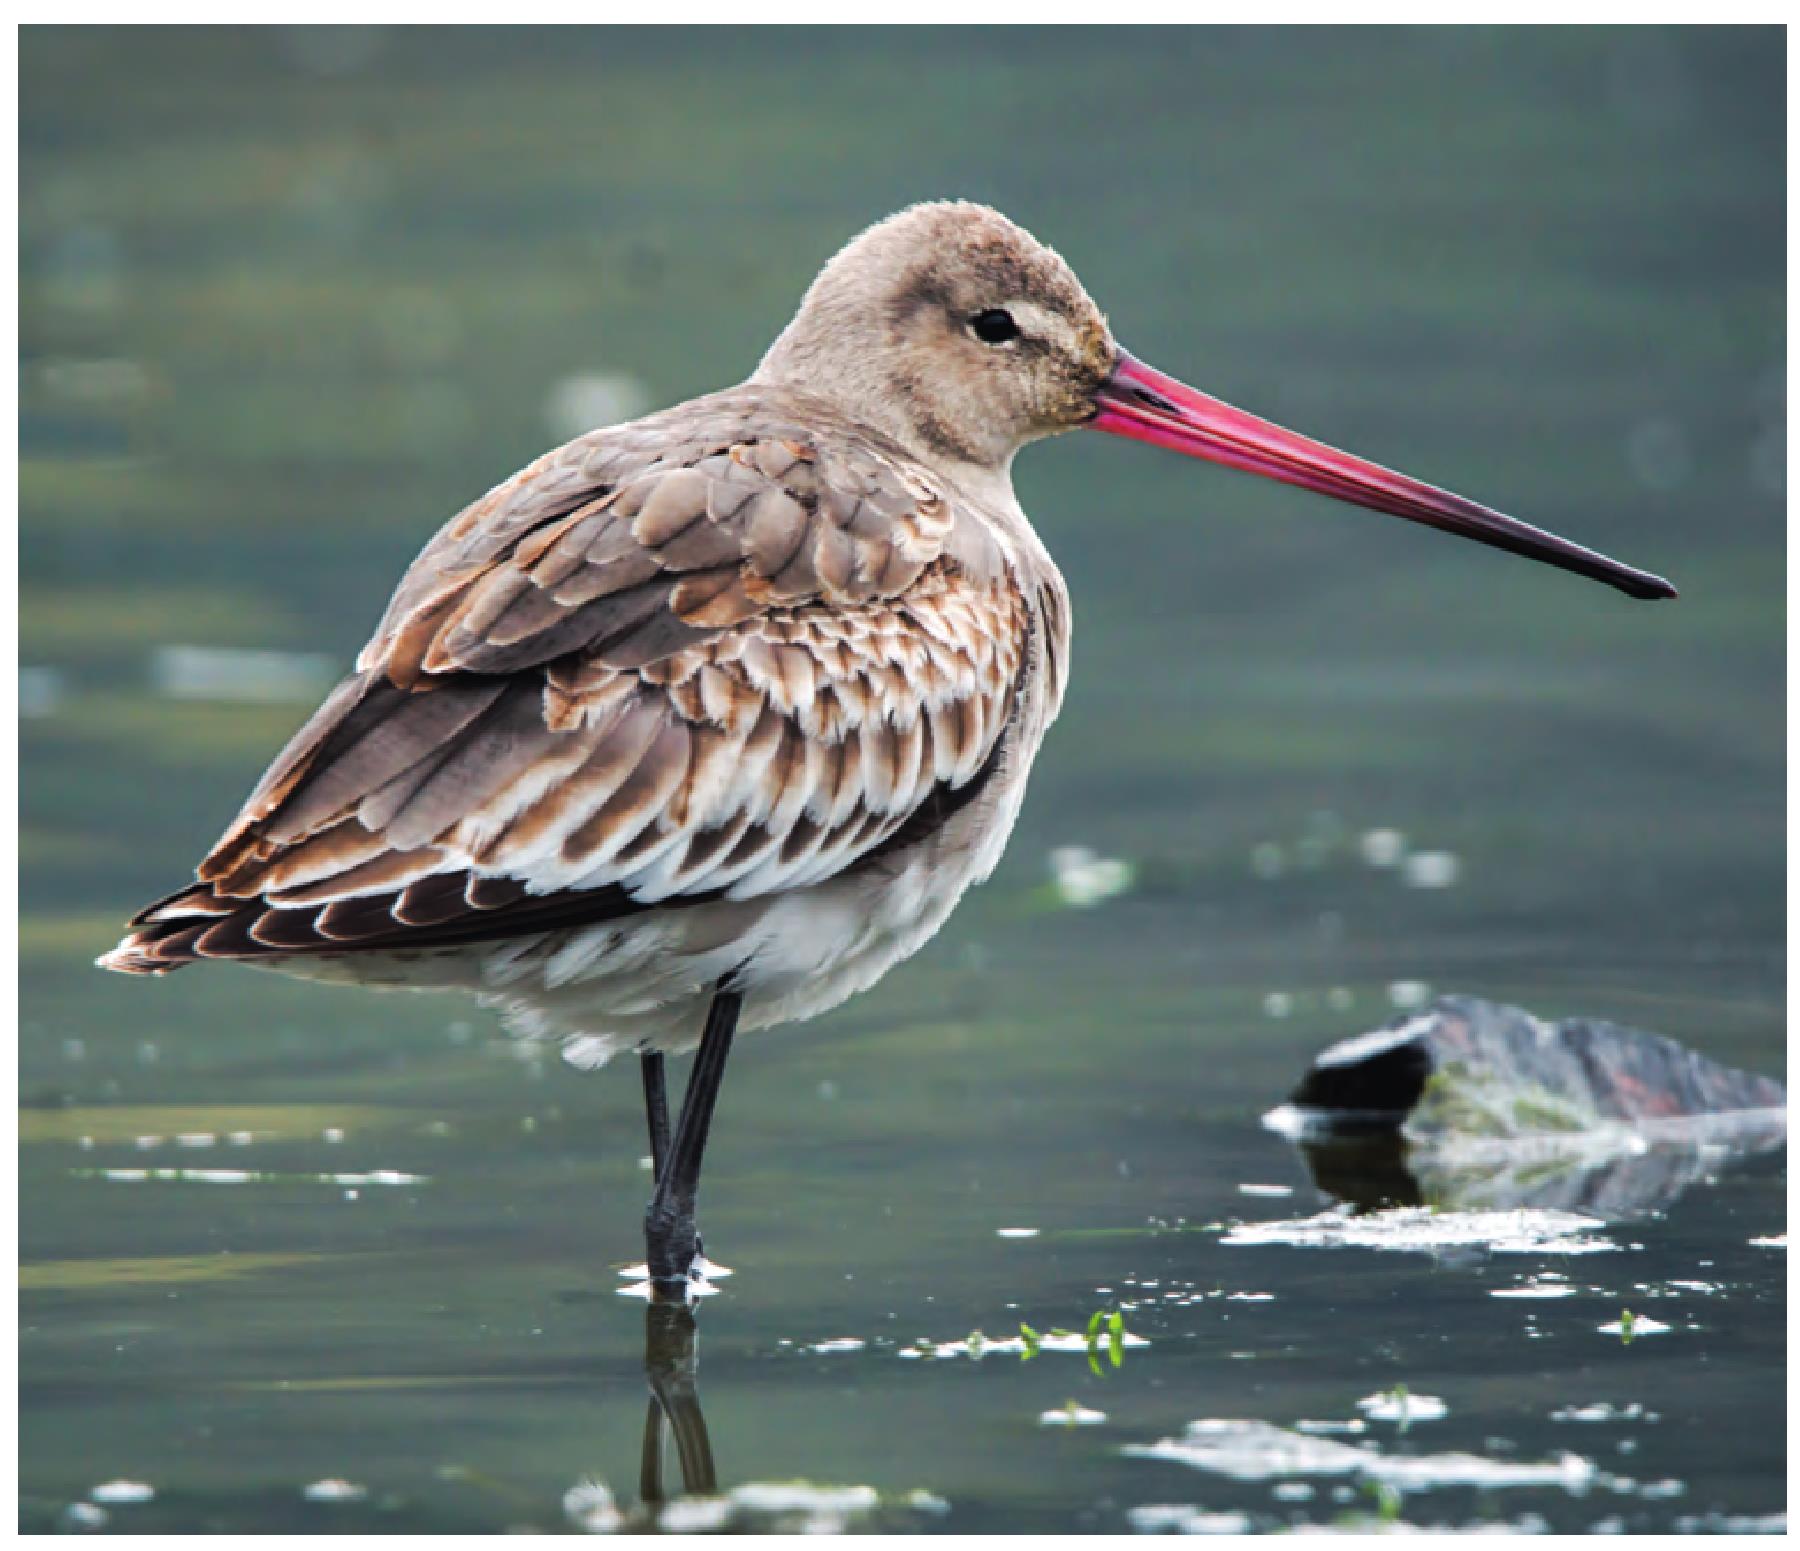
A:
709, 719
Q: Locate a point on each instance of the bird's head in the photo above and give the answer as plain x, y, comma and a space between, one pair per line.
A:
959, 334
953, 330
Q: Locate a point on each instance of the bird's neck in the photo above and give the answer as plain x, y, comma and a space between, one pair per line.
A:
990, 487
825, 358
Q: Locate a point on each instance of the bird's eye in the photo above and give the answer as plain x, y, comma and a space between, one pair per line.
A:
995, 326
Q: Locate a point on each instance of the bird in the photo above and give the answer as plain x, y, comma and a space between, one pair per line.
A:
701, 723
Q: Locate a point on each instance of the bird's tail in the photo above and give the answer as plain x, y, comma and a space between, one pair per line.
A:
163, 935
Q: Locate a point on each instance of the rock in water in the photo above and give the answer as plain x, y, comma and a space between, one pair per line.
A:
1472, 1103
1483, 1069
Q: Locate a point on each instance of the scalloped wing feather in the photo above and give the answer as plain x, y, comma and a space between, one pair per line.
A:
725, 651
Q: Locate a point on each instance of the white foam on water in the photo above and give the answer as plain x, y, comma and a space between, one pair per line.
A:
1641, 1325
803, 1508
1083, 879
1071, 1415
1382, 847
1603, 1411
1255, 1451
1260, 1451
804, 1497
1402, 1406
1525, 1230
253, 1177
1431, 870
1186, 1519
122, 1492
980, 1346
591, 1508
1716, 1523
694, 1516
1425, 1471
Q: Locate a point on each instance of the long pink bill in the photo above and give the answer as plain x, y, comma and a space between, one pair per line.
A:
1142, 403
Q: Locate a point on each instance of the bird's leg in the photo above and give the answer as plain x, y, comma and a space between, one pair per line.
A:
656, 1111
670, 1234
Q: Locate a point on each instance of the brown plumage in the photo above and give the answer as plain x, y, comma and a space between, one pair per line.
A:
746, 639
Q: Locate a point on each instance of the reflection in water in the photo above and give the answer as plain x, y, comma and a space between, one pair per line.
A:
670, 1337
698, 1504
1386, 1169
1368, 1171
670, 1363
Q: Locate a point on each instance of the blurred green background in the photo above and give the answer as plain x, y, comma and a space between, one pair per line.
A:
290, 297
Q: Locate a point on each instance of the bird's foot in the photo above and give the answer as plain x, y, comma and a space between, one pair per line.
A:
676, 1266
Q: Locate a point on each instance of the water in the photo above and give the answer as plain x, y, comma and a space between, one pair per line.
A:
288, 300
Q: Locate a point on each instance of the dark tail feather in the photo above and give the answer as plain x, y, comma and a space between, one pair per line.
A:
441, 911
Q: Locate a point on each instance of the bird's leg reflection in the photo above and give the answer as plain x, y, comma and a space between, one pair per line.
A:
669, 1365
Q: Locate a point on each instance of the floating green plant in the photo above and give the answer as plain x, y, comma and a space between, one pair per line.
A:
1387, 1501
1109, 1327
1400, 1396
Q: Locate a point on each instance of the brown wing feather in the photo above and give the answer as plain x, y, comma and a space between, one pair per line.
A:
730, 649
